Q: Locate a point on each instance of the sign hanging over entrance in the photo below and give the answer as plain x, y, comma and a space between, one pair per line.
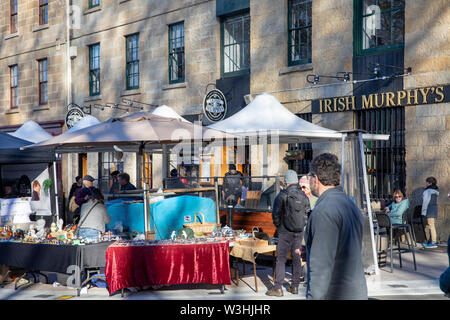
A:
74, 114
215, 105
409, 97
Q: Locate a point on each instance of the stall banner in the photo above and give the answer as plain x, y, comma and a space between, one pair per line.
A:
40, 199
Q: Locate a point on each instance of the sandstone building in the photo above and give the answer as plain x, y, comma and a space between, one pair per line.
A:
376, 65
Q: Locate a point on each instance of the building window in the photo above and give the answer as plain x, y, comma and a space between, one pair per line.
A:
94, 3
299, 31
300, 155
14, 87
43, 12
235, 44
14, 18
385, 160
108, 163
94, 69
132, 48
380, 25
43, 85
176, 52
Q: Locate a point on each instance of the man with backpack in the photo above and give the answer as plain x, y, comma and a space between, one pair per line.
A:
232, 189
290, 209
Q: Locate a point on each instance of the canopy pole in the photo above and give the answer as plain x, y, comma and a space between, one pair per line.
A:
56, 190
216, 192
146, 210
369, 207
343, 160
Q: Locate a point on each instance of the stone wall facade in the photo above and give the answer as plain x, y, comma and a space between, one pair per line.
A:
426, 48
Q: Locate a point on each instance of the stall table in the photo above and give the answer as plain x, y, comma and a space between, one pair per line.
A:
249, 253
66, 259
167, 264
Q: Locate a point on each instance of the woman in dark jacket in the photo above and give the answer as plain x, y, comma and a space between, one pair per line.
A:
430, 211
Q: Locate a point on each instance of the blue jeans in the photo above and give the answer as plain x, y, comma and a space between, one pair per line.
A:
89, 234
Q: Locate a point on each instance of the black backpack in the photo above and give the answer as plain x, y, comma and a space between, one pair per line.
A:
294, 216
233, 184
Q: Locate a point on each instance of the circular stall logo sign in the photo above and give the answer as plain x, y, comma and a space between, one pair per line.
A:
74, 115
215, 105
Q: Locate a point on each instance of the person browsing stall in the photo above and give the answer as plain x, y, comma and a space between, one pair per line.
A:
333, 237
306, 188
115, 183
85, 193
77, 185
397, 208
174, 182
124, 182
289, 215
93, 217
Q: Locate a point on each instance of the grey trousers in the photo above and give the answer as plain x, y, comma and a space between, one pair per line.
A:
288, 241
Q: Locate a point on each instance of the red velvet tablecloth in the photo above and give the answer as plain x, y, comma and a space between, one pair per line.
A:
138, 266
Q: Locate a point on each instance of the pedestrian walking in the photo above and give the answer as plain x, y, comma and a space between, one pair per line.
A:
306, 188
444, 279
289, 215
333, 237
430, 211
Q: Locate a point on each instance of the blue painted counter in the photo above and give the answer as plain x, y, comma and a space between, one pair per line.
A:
165, 215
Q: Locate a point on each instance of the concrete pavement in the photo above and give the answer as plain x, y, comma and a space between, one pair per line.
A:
404, 283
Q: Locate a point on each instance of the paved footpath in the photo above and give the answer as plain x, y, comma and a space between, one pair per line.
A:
404, 283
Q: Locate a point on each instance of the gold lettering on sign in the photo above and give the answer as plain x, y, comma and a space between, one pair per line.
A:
439, 93
347, 103
390, 99
327, 105
367, 102
334, 104
424, 94
341, 103
415, 97
320, 106
382, 100
400, 95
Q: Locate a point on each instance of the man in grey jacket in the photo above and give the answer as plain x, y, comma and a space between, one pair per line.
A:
333, 237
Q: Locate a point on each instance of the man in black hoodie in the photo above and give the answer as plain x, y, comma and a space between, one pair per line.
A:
333, 237
290, 209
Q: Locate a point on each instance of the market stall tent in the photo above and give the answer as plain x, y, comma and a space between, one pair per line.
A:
85, 122
10, 152
265, 115
133, 131
31, 131
168, 112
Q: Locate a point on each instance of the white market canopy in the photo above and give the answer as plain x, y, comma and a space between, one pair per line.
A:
84, 122
265, 115
140, 129
31, 131
168, 112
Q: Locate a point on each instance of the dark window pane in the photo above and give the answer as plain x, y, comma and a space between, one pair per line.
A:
176, 52
300, 15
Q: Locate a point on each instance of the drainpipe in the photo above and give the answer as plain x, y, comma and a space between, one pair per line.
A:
69, 61
69, 157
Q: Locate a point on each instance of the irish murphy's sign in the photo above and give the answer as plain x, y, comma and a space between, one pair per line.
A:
408, 97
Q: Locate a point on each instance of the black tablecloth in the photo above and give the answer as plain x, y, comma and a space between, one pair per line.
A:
94, 255
52, 258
